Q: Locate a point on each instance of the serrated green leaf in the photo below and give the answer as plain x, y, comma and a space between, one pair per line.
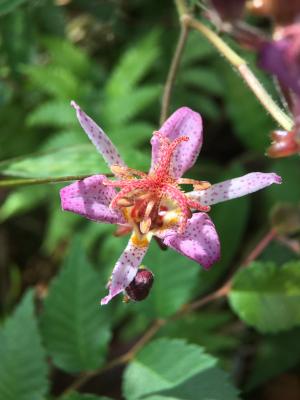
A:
53, 113
133, 66
66, 55
120, 110
75, 329
266, 296
173, 369
54, 80
7, 6
23, 368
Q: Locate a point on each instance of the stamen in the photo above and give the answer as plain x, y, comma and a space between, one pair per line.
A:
145, 225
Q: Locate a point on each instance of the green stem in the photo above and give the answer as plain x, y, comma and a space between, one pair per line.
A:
172, 72
240, 64
38, 181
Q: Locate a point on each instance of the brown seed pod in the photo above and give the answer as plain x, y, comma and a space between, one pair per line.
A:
141, 285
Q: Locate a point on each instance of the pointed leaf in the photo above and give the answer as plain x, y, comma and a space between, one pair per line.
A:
75, 328
173, 369
23, 368
267, 297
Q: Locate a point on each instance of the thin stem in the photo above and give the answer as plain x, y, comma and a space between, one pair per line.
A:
123, 359
182, 7
260, 247
240, 64
39, 181
172, 72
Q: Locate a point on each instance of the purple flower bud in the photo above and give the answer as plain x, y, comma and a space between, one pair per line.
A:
229, 10
140, 287
282, 57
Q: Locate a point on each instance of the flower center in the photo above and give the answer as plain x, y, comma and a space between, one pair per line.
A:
155, 201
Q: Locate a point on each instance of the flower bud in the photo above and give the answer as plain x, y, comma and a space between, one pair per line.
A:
284, 144
282, 11
140, 287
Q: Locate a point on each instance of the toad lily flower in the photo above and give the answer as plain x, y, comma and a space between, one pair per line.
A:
153, 204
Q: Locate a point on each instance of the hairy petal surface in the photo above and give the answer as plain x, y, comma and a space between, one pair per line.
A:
200, 240
91, 199
126, 268
183, 122
99, 139
234, 188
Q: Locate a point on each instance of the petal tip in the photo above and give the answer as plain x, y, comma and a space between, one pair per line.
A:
105, 300
277, 179
74, 105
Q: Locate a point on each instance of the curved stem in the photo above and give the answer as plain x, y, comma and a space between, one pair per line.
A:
39, 181
240, 64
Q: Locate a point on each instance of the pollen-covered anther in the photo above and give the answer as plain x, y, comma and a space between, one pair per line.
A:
145, 225
124, 202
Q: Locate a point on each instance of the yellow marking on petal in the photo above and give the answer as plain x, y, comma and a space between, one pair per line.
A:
139, 242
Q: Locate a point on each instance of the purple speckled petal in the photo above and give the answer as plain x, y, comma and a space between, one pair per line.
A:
91, 199
99, 139
236, 187
200, 241
183, 122
125, 269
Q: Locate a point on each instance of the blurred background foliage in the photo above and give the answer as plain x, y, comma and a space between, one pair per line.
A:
112, 57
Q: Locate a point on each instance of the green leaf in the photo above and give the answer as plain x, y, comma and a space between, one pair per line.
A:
68, 56
22, 200
204, 79
173, 369
53, 113
121, 109
197, 49
267, 297
207, 329
23, 368
82, 396
54, 80
242, 106
80, 159
133, 66
7, 6
75, 160
75, 329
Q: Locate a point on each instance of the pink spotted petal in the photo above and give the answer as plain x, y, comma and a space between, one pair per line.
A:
183, 122
91, 199
236, 187
200, 241
99, 139
125, 269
